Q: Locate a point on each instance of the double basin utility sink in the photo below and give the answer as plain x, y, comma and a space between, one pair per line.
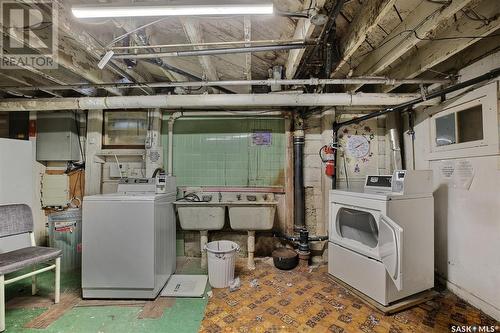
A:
246, 211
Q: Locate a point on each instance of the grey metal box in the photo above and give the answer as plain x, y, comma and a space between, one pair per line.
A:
57, 138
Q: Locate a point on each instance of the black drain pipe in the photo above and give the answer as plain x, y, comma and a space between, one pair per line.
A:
407, 105
298, 177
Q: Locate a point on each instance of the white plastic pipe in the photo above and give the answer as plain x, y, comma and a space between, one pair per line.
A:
207, 101
251, 249
170, 158
203, 243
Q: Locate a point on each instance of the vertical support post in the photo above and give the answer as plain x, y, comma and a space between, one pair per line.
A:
57, 287
251, 249
2, 303
93, 170
203, 242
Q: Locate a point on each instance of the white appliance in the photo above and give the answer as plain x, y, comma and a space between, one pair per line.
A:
381, 240
16, 172
128, 241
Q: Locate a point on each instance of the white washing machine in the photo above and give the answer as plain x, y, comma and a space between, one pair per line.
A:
381, 240
128, 241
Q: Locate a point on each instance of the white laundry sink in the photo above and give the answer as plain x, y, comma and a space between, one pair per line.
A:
248, 215
201, 215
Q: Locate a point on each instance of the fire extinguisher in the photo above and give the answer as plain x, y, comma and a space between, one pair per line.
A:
327, 155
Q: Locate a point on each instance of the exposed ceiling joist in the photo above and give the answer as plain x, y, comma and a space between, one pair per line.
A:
436, 52
247, 34
195, 35
424, 19
361, 26
25, 83
303, 31
84, 42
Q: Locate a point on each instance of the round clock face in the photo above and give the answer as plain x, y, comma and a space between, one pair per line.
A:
358, 146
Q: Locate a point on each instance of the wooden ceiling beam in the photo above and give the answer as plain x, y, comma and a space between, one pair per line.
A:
304, 31
247, 34
194, 34
421, 21
436, 52
361, 26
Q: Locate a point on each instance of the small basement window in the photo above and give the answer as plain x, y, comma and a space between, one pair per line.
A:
124, 129
459, 127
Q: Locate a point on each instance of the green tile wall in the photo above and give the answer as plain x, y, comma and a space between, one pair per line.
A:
219, 152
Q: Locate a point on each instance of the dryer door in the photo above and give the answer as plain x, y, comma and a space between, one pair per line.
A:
390, 241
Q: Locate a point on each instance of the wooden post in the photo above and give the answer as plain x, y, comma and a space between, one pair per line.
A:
93, 171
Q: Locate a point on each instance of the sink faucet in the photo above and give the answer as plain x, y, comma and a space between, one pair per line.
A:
220, 197
238, 196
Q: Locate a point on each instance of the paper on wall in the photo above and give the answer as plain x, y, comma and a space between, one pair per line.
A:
447, 169
463, 175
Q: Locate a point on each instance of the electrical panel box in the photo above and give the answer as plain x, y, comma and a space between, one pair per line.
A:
57, 137
55, 190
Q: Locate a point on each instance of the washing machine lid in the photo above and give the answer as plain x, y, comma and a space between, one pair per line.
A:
133, 196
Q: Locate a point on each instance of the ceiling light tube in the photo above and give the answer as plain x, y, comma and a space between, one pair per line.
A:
181, 10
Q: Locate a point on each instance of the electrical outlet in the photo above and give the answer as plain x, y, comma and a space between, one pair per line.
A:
118, 170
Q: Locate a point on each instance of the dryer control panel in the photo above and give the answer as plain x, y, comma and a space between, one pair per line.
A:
401, 182
379, 183
412, 181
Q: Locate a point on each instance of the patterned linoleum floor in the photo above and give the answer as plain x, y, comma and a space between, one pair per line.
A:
304, 301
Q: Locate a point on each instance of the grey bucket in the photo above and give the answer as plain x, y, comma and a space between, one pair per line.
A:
221, 261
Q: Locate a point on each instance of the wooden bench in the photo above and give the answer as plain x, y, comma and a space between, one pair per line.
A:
17, 221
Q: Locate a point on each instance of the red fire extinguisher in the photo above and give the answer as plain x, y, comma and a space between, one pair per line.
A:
327, 155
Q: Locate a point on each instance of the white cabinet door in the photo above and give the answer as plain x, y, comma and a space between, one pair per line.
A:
390, 242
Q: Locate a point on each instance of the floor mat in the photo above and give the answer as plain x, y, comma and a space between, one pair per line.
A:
185, 286
270, 300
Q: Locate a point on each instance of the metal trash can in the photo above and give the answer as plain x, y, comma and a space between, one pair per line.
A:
65, 233
221, 262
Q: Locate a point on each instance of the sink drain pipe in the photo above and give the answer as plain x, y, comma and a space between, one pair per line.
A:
298, 176
303, 239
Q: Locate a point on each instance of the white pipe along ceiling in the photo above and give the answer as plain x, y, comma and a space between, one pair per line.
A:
207, 101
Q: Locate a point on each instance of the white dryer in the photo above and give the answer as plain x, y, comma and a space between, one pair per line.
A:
128, 241
381, 240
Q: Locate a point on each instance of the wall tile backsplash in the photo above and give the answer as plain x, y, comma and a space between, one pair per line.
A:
228, 151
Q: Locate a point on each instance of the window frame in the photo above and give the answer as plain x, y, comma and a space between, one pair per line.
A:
487, 98
107, 146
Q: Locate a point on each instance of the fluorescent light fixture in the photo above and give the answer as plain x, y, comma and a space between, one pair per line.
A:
98, 11
104, 61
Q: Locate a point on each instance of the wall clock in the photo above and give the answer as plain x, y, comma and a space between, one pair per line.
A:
358, 146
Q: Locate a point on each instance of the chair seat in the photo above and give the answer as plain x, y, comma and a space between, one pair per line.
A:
18, 259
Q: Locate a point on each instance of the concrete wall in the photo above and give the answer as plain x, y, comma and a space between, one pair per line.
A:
467, 223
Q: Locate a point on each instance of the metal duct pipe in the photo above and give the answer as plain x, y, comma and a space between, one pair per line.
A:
205, 101
395, 148
205, 44
298, 180
208, 52
200, 83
